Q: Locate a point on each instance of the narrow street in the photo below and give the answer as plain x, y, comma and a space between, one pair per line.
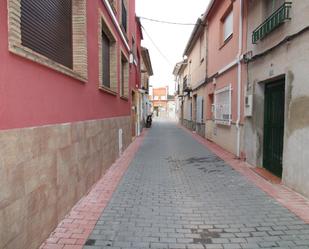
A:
177, 194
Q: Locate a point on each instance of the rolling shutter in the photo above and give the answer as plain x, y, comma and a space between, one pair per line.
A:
46, 28
199, 109
106, 60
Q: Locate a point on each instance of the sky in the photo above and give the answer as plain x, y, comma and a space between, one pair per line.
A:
171, 40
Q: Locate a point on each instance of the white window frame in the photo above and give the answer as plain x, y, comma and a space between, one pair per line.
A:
223, 109
228, 24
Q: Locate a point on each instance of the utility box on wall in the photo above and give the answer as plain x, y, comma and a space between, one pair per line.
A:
249, 105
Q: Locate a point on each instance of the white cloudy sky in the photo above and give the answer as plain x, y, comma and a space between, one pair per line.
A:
170, 39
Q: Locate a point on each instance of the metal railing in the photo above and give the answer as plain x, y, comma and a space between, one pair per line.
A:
277, 18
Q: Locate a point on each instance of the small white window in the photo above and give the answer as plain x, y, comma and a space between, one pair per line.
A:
156, 97
163, 97
223, 106
228, 26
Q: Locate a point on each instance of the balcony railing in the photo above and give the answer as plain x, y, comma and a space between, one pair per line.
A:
276, 19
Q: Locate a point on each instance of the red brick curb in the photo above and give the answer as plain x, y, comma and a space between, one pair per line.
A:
73, 231
293, 201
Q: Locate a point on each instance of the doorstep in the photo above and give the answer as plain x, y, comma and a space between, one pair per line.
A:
267, 175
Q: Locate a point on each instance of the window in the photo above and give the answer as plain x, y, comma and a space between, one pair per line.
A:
163, 97
46, 28
272, 5
222, 106
107, 58
156, 97
113, 4
124, 77
202, 47
200, 109
134, 48
228, 26
45, 31
124, 15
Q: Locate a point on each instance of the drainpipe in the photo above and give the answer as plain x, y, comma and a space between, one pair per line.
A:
239, 80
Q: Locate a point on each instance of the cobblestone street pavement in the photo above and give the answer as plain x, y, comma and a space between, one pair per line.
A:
176, 194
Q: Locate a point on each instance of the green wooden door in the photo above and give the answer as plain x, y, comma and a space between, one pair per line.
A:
274, 127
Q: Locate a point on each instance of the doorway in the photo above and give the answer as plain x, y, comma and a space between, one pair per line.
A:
274, 126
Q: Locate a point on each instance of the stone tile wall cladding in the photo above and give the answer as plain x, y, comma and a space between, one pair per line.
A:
45, 170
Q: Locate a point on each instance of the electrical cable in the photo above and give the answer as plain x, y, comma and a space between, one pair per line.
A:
167, 22
152, 41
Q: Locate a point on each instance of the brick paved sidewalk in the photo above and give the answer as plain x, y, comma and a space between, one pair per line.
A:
73, 231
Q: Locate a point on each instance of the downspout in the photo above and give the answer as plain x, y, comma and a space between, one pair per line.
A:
239, 79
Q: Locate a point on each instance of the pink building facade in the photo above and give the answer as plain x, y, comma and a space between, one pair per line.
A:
65, 107
226, 74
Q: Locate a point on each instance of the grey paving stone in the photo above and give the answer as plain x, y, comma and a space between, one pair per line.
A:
178, 195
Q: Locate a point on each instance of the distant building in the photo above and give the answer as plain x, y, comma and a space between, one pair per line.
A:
211, 78
147, 72
191, 80
163, 104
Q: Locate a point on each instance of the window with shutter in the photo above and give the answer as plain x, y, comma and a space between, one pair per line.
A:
108, 58
46, 28
189, 110
271, 6
228, 26
124, 76
46, 32
200, 110
124, 15
105, 60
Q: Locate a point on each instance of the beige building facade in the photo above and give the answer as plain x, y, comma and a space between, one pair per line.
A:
191, 78
277, 92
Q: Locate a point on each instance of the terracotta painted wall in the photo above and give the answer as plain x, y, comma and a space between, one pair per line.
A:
219, 54
34, 95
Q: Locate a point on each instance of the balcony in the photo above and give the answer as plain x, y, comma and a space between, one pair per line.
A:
275, 20
186, 85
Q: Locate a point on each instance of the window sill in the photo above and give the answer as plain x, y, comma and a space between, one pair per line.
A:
226, 41
31, 55
126, 98
107, 90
